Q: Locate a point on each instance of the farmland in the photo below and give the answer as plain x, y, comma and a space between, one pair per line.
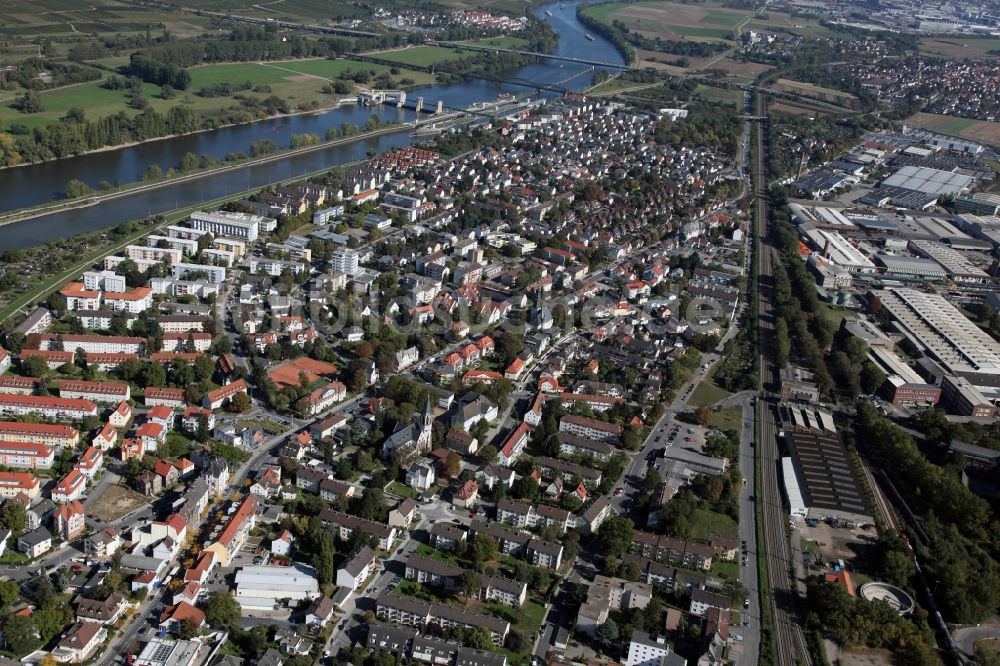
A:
814, 91
32, 18
291, 10
672, 21
422, 56
959, 47
299, 82
968, 128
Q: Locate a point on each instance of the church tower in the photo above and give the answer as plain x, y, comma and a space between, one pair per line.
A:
426, 428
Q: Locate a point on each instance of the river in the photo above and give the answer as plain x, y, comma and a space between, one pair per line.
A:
40, 183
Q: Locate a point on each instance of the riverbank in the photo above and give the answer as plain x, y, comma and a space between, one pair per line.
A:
54, 282
141, 186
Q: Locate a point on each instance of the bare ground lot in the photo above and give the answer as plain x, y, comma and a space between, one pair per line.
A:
969, 128
114, 502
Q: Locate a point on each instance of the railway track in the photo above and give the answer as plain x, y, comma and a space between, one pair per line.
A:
789, 640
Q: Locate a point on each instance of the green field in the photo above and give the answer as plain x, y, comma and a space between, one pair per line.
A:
726, 95
959, 47
423, 56
31, 18
673, 20
705, 524
299, 82
499, 42
315, 10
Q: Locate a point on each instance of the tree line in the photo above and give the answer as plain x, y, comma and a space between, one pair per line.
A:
73, 138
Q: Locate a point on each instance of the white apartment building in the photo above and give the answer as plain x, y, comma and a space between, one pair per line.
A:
26, 455
157, 254
275, 267
138, 300
98, 344
344, 260
176, 231
214, 274
185, 245
103, 281
218, 257
219, 224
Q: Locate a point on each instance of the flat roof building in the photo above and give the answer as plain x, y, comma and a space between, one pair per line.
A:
928, 181
823, 477
932, 323
263, 586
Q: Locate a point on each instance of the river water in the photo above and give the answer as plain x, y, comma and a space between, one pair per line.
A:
40, 183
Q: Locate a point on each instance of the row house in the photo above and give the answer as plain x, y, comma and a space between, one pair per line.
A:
524, 515
581, 426
26, 455
572, 445
167, 397
56, 409
100, 392
667, 550
14, 384
40, 433
93, 343
412, 612
343, 525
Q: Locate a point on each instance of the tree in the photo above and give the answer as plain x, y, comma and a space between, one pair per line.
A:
21, 635
734, 589
77, 188
240, 403
470, 583
15, 517
703, 415
488, 454
189, 162
483, 548
608, 633
872, 377
9, 594
525, 488
614, 536
452, 465
188, 629
36, 366
29, 102
221, 609
156, 375
203, 369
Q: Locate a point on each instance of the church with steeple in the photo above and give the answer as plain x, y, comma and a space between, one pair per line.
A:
415, 436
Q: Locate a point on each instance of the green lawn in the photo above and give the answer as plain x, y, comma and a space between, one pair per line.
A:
397, 488
506, 42
730, 418
835, 314
707, 393
726, 95
297, 81
440, 556
706, 524
729, 570
423, 56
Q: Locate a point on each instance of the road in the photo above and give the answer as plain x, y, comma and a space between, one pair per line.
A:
748, 537
790, 646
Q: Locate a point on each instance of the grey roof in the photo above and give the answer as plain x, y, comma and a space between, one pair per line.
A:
357, 563
470, 657
421, 563
35, 537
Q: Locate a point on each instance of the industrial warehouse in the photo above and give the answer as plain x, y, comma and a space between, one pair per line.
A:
818, 477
